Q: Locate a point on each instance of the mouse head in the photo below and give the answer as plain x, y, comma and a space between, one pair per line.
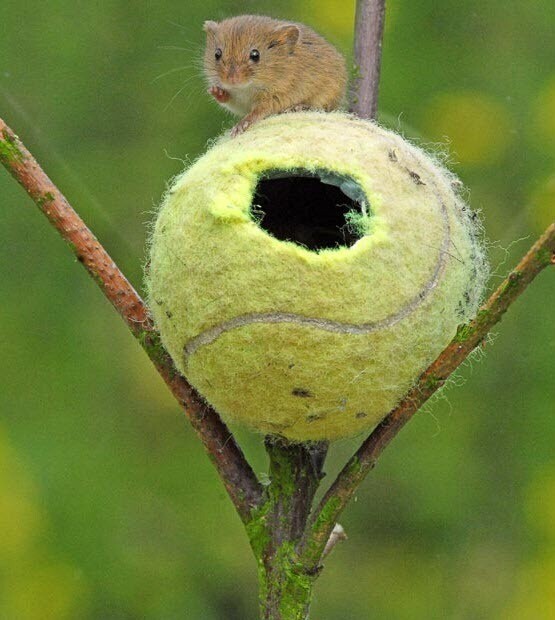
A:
247, 50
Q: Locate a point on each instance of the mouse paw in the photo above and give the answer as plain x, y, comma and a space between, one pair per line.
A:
301, 107
219, 94
240, 128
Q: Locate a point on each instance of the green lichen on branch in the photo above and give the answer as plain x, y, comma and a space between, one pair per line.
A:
318, 533
468, 330
282, 484
152, 344
433, 383
45, 199
297, 584
512, 282
9, 151
285, 586
277, 527
257, 530
327, 513
463, 332
545, 257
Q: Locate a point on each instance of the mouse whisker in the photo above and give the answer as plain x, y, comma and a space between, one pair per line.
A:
166, 73
183, 87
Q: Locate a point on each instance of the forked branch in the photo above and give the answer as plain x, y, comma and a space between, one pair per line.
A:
239, 479
234, 470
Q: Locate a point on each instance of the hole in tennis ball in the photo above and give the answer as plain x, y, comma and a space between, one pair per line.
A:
318, 210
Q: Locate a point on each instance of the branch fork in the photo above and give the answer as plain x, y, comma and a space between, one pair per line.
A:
289, 537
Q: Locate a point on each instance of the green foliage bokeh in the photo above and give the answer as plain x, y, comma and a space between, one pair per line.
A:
109, 508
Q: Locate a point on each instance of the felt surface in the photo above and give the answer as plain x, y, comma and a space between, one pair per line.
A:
312, 344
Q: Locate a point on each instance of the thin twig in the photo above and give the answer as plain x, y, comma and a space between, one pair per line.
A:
541, 255
237, 475
369, 23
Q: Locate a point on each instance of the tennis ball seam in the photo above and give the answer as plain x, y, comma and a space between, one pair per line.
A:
211, 334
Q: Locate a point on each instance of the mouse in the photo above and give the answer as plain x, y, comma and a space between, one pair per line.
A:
257, 66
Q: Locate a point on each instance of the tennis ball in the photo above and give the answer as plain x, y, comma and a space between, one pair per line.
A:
303, 274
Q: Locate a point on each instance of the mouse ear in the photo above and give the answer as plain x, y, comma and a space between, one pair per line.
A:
210, 27
285, 34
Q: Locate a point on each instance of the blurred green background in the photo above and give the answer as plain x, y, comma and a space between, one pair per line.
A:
109, 508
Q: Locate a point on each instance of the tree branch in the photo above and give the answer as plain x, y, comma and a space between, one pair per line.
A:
295, 472
239, 479
468, 337
369, 23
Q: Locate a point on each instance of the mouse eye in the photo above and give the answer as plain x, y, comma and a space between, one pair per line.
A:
254, 55
218, 54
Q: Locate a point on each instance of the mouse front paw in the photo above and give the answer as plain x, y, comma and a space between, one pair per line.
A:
300, 107
240, 128
219, 94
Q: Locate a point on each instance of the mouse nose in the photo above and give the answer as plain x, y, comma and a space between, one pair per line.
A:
232, 73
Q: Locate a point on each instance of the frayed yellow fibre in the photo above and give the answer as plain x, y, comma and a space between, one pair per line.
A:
312, 344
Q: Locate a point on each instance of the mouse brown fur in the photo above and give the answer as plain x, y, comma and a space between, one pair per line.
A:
257, 66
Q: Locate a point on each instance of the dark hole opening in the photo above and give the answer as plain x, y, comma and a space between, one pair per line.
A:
303, 209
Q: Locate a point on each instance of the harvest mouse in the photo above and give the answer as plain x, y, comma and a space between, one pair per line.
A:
257, 66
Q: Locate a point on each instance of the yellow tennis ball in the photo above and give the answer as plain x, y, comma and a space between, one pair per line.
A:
303, 274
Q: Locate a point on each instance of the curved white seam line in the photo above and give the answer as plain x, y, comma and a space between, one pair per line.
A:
210, 335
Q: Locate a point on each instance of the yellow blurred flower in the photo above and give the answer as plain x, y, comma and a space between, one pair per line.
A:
20, 517
33, 586
477, 126
336, 19
44, 592
330, 18
534, 597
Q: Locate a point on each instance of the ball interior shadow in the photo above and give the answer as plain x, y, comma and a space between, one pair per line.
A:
315, 210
